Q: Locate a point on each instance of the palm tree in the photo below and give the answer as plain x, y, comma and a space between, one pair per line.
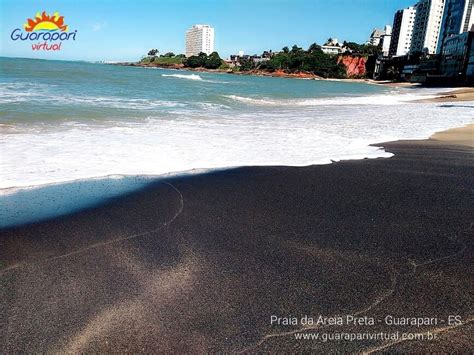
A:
392, 72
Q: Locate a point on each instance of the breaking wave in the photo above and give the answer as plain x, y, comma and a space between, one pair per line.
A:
394, 99
183, 76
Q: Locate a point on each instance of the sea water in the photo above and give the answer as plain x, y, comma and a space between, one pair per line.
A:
69, 121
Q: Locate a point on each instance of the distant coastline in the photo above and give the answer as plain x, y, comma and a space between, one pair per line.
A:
456, 94
257, 72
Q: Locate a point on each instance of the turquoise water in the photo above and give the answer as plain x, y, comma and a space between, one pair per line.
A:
49, 90
67, 121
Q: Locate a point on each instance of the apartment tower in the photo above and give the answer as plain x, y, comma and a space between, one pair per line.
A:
402, 31
199, 38
427, 26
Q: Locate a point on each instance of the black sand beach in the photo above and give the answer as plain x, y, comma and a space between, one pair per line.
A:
201, 263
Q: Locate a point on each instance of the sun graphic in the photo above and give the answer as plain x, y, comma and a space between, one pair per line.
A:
45, 22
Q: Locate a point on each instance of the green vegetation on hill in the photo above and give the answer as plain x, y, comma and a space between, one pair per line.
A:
202, 60
165, 59
312, 60
362, 49
162, 60
294, 60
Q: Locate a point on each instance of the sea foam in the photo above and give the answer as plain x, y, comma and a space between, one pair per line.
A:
379, 100
183, 76
200, 138
127, 121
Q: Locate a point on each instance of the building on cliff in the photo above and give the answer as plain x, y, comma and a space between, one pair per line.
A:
381, 38
333, 47
375, 37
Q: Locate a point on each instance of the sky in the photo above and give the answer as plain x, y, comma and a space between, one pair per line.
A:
119, 30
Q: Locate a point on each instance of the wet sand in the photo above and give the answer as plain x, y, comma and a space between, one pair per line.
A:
458, 136
201, 263
457, 95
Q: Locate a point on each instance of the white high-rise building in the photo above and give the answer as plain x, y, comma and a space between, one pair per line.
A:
429, 14
386, 39
402, 32
199, 38
467, 16
375, 37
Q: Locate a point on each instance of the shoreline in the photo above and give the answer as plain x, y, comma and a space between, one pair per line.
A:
262, 73
118, 185
226, 250
310, 76
454, 95
463, 136
449, 135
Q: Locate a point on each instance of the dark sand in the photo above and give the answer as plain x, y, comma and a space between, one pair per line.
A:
200, 265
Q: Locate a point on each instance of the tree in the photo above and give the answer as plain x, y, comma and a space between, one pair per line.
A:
196, 61
246, 63
153, 52
314, 60
168, 55
296, 49
363, 49
392, 72
314, 48
279, 61
213, 61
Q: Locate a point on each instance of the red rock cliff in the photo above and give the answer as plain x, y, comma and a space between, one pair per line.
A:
355, 66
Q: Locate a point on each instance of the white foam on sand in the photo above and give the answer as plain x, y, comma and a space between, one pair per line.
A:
213, 138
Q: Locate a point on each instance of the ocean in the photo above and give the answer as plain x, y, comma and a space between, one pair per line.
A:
73, 134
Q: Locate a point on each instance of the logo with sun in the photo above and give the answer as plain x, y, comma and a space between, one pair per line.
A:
45, 22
